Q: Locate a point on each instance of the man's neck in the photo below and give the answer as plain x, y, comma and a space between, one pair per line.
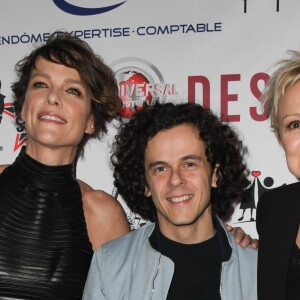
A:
199, 231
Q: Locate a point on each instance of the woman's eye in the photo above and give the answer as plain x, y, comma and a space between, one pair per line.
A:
294, 125
39, 84
74, 91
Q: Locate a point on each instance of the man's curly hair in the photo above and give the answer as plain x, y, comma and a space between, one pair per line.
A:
222, 148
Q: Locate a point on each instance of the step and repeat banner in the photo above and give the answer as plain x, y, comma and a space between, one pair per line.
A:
217, 53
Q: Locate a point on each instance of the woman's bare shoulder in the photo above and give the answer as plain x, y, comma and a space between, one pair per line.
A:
100, 203
96, 201
2, 167
84, 186
105, 216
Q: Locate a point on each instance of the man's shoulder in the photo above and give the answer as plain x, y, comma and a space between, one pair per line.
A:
126, 251
247, 253
130, 241
239, 273
246, 257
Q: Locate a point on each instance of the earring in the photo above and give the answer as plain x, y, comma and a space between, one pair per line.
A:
20, 124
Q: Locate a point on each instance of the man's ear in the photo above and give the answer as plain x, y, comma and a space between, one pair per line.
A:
90, 128
215, 176
147, 192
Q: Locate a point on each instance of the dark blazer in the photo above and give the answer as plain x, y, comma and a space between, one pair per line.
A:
277, 222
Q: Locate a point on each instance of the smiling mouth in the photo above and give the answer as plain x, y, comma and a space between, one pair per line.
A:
52, 118
180, 199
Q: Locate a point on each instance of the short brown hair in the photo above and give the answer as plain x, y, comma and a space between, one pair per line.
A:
98, 79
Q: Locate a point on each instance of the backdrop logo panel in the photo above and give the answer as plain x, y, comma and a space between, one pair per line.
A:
135, 220
140, 82
258, 186
2, 97
8, 109
84, 11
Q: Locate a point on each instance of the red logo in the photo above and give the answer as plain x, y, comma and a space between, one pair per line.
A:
134, 92
255, 173
140, 82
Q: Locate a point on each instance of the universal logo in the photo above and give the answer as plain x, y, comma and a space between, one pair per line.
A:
140, 82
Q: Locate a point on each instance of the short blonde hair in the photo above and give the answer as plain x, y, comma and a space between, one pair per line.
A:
286, 75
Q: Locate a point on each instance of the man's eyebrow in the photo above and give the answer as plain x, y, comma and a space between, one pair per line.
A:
156, 163
191, 156
184, 158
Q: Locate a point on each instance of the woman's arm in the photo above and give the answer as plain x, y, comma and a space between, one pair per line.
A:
104, 215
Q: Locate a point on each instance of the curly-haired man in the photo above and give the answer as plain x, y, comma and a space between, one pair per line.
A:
180, 167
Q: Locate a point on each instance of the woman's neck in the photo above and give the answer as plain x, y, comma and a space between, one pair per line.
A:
51, 156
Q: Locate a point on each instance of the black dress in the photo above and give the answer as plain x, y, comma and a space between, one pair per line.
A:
45, 251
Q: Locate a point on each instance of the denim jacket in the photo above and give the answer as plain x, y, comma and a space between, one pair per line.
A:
128, 268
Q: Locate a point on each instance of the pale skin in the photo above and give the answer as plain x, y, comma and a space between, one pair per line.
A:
57, 113
179, 179
289, 131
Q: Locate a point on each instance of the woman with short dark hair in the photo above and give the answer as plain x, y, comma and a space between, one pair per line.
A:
50, 222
